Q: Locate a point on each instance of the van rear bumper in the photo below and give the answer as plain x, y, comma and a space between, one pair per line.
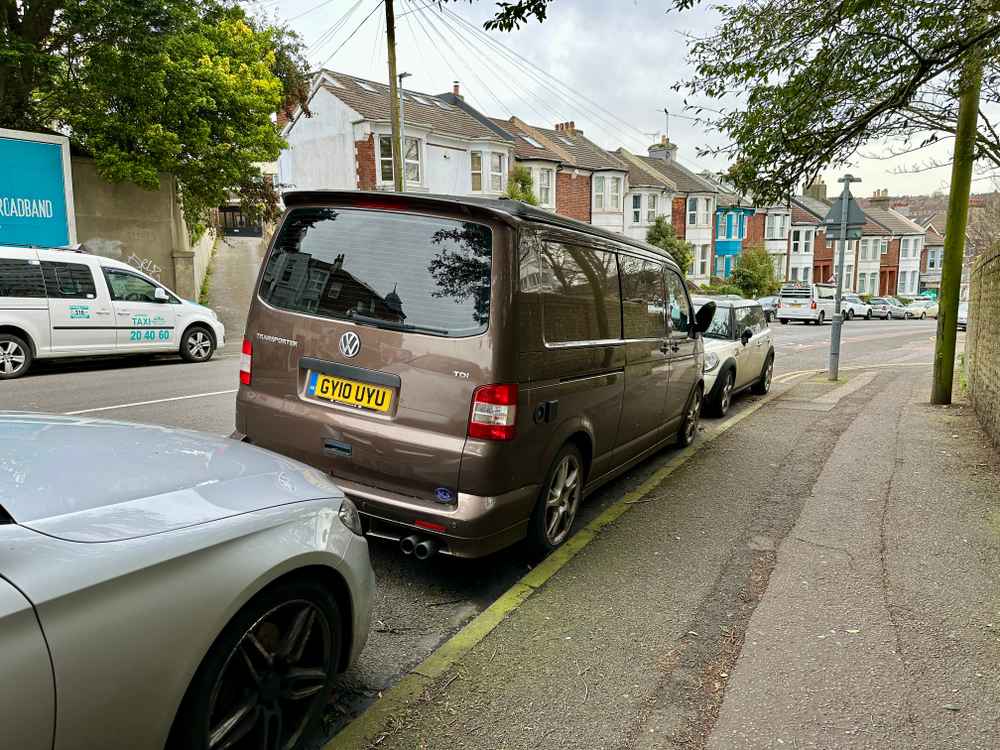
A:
794, 313
475, 525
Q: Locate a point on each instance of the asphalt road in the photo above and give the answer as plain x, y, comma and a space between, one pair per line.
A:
417, 606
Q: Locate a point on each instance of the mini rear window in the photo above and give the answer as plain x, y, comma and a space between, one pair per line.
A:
391, 270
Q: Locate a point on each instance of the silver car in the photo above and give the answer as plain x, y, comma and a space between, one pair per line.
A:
163, 588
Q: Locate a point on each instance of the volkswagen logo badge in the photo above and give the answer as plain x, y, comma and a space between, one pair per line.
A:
350, 344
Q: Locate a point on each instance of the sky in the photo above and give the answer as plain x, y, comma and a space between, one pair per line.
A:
623, 56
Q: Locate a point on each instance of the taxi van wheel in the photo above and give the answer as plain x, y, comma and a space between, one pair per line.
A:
15, 356
688, 430
558, 502
197, 345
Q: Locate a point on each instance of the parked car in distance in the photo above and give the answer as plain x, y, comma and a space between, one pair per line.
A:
770, 306
739, 353
963, 315
66, 303
191, 591
921, 308
852, 306
810, 303
467, 369
887, 308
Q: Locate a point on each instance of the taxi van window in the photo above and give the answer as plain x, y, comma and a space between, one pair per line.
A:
20, 278
68, 280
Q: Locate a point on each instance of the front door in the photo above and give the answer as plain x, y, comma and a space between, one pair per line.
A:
142, 322
682, 349
79, 309
647, 370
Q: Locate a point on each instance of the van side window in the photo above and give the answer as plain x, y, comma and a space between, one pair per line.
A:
128, 287
678, 306
581, 298
68, 280
642, 298
20, 278
825, 292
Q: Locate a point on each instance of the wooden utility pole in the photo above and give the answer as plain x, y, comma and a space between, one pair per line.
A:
398, 178
958, 217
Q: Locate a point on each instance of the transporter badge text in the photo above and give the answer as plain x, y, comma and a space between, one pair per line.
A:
276, 340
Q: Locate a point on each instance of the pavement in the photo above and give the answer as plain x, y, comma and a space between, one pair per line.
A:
823, 574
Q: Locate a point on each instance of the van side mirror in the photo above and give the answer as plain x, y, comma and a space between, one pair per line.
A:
746, 336
703, 318
160, 294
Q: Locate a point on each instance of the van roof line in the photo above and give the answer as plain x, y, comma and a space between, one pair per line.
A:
504, 208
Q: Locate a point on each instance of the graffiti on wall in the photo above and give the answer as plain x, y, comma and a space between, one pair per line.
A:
145, 265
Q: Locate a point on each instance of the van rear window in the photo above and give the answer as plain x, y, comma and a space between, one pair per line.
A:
386, 269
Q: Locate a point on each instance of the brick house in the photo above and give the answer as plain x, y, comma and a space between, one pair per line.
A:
693, 208
346, 143
899, 272
770, 227
650, 194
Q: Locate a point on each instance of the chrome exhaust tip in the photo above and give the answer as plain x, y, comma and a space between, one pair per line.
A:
425, 549
408, 544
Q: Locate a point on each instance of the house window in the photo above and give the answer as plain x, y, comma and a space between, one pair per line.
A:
802, 240
706, 205
476, 158
743, 227
904, 247
884, 247
865, 245
411, 159
615, 202
862, 283
637, 208
795, 274
545, 187
497, 164
598, 193
651, 208
805, 273
704, 260
932, 256
777, 226
692, 211
729, 226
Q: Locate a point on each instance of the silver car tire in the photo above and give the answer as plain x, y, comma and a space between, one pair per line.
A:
15, 356
267, 678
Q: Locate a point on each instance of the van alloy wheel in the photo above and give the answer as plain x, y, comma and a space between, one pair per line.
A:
12, 358
563, 499
692, 413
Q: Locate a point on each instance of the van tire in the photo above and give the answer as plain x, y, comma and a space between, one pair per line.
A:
686, 433
15, 356
540, 538
822, 318
783, 321
197, 344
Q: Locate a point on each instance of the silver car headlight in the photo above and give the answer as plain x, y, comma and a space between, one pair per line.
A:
350, 517
711, 361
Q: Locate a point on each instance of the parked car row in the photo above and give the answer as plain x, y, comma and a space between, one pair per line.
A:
816, 303
452, 375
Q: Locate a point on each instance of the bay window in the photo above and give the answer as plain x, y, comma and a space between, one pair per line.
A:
777, 226
598, 193
651, 208
476, 158
692, 211
637, 208
703, 218
615, 201
545, 187
802, 241
497, 173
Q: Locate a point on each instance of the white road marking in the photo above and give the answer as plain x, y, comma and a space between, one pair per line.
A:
147, 403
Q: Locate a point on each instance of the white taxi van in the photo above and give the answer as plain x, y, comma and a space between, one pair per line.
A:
810, 303
67, 303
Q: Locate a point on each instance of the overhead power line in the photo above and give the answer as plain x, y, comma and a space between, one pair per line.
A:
334, 28
351, 35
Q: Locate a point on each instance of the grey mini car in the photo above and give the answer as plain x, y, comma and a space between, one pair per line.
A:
160, 588
467, 370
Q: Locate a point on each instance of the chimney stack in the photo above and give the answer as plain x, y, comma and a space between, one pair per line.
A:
456, 90
816, 189
664, 150
880, 198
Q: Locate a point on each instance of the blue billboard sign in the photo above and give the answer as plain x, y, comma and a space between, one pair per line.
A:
36, 190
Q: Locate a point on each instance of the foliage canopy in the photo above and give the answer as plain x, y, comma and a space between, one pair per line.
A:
520, 186
664, 236
754, 273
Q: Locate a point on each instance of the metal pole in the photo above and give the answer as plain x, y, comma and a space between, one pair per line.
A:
845, 197
397, 146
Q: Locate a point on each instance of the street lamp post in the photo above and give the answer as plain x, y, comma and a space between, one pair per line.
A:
844, 221
402, 130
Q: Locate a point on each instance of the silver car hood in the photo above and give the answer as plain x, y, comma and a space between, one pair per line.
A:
90, 480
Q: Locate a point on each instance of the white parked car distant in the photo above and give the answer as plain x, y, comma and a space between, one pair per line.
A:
922, 308
852, 306
810, 303
887, 308
739, 352
65, 303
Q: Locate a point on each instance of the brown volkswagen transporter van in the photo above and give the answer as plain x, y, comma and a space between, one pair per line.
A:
466, 369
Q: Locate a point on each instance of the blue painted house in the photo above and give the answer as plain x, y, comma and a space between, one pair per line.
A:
731, 217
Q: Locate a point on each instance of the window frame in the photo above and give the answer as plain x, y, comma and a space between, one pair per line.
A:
636, 208
550, 173
652, 206
692, 211
499, 174
60, 295
106, 270
615, 193
599, 199
473, 172
382, 160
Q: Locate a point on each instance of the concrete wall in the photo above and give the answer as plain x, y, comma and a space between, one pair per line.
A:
982, 344
144, 228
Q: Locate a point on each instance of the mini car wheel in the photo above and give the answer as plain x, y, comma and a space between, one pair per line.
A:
269, 674
15, 356
722, 398
554, 513
763, 384
197, 344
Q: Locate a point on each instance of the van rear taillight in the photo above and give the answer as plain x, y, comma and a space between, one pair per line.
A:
246, 360
494, 411
813, 304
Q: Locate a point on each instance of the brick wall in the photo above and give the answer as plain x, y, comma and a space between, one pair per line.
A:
982, 344
364, 157
573, 196
755, 229
678, 215
822, 258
